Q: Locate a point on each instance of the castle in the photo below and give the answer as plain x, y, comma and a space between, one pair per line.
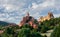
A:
48, 17
28, 20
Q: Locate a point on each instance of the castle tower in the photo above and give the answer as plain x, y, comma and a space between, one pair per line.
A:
50, 14
27, 13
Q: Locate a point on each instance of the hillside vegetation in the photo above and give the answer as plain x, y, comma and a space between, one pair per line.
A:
27, 31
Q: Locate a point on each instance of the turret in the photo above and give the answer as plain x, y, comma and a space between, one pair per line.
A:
50, 14
27, 13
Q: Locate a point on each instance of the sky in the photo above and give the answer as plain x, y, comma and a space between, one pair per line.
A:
14, 10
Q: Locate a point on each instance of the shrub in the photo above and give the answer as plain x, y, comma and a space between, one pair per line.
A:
27, 32
56, 32
44, 29
24, 32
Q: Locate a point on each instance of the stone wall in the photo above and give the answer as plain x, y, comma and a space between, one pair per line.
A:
48, 17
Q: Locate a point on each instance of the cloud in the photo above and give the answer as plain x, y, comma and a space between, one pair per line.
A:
43, 5
10, 9
57, 15
14, 10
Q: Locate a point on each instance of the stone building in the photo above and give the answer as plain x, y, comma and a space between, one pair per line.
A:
28, 19
48, 17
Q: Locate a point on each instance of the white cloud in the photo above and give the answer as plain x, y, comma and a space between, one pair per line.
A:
34, 5
9, 7
2, 15
57, 15
15, 9
47, 3
2, 19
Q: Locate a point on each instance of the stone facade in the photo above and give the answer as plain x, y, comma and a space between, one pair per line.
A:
48, 17
28, 19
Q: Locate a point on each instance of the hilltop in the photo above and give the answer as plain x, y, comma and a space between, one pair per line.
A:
30, 27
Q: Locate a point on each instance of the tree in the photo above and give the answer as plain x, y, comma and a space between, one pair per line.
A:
24, 32
36, 22
9, 32
56, 32
44, 29
35, 34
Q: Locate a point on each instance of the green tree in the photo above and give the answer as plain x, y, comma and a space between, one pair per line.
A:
44, 29
24, 32
9, 32
35, 34
56, 32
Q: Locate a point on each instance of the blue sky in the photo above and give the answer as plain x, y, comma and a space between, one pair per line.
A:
14, 10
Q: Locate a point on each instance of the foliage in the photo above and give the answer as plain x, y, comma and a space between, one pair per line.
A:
27, 31
35, 21
35, 34
56, 32
24, 32
44, 29
9, 32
